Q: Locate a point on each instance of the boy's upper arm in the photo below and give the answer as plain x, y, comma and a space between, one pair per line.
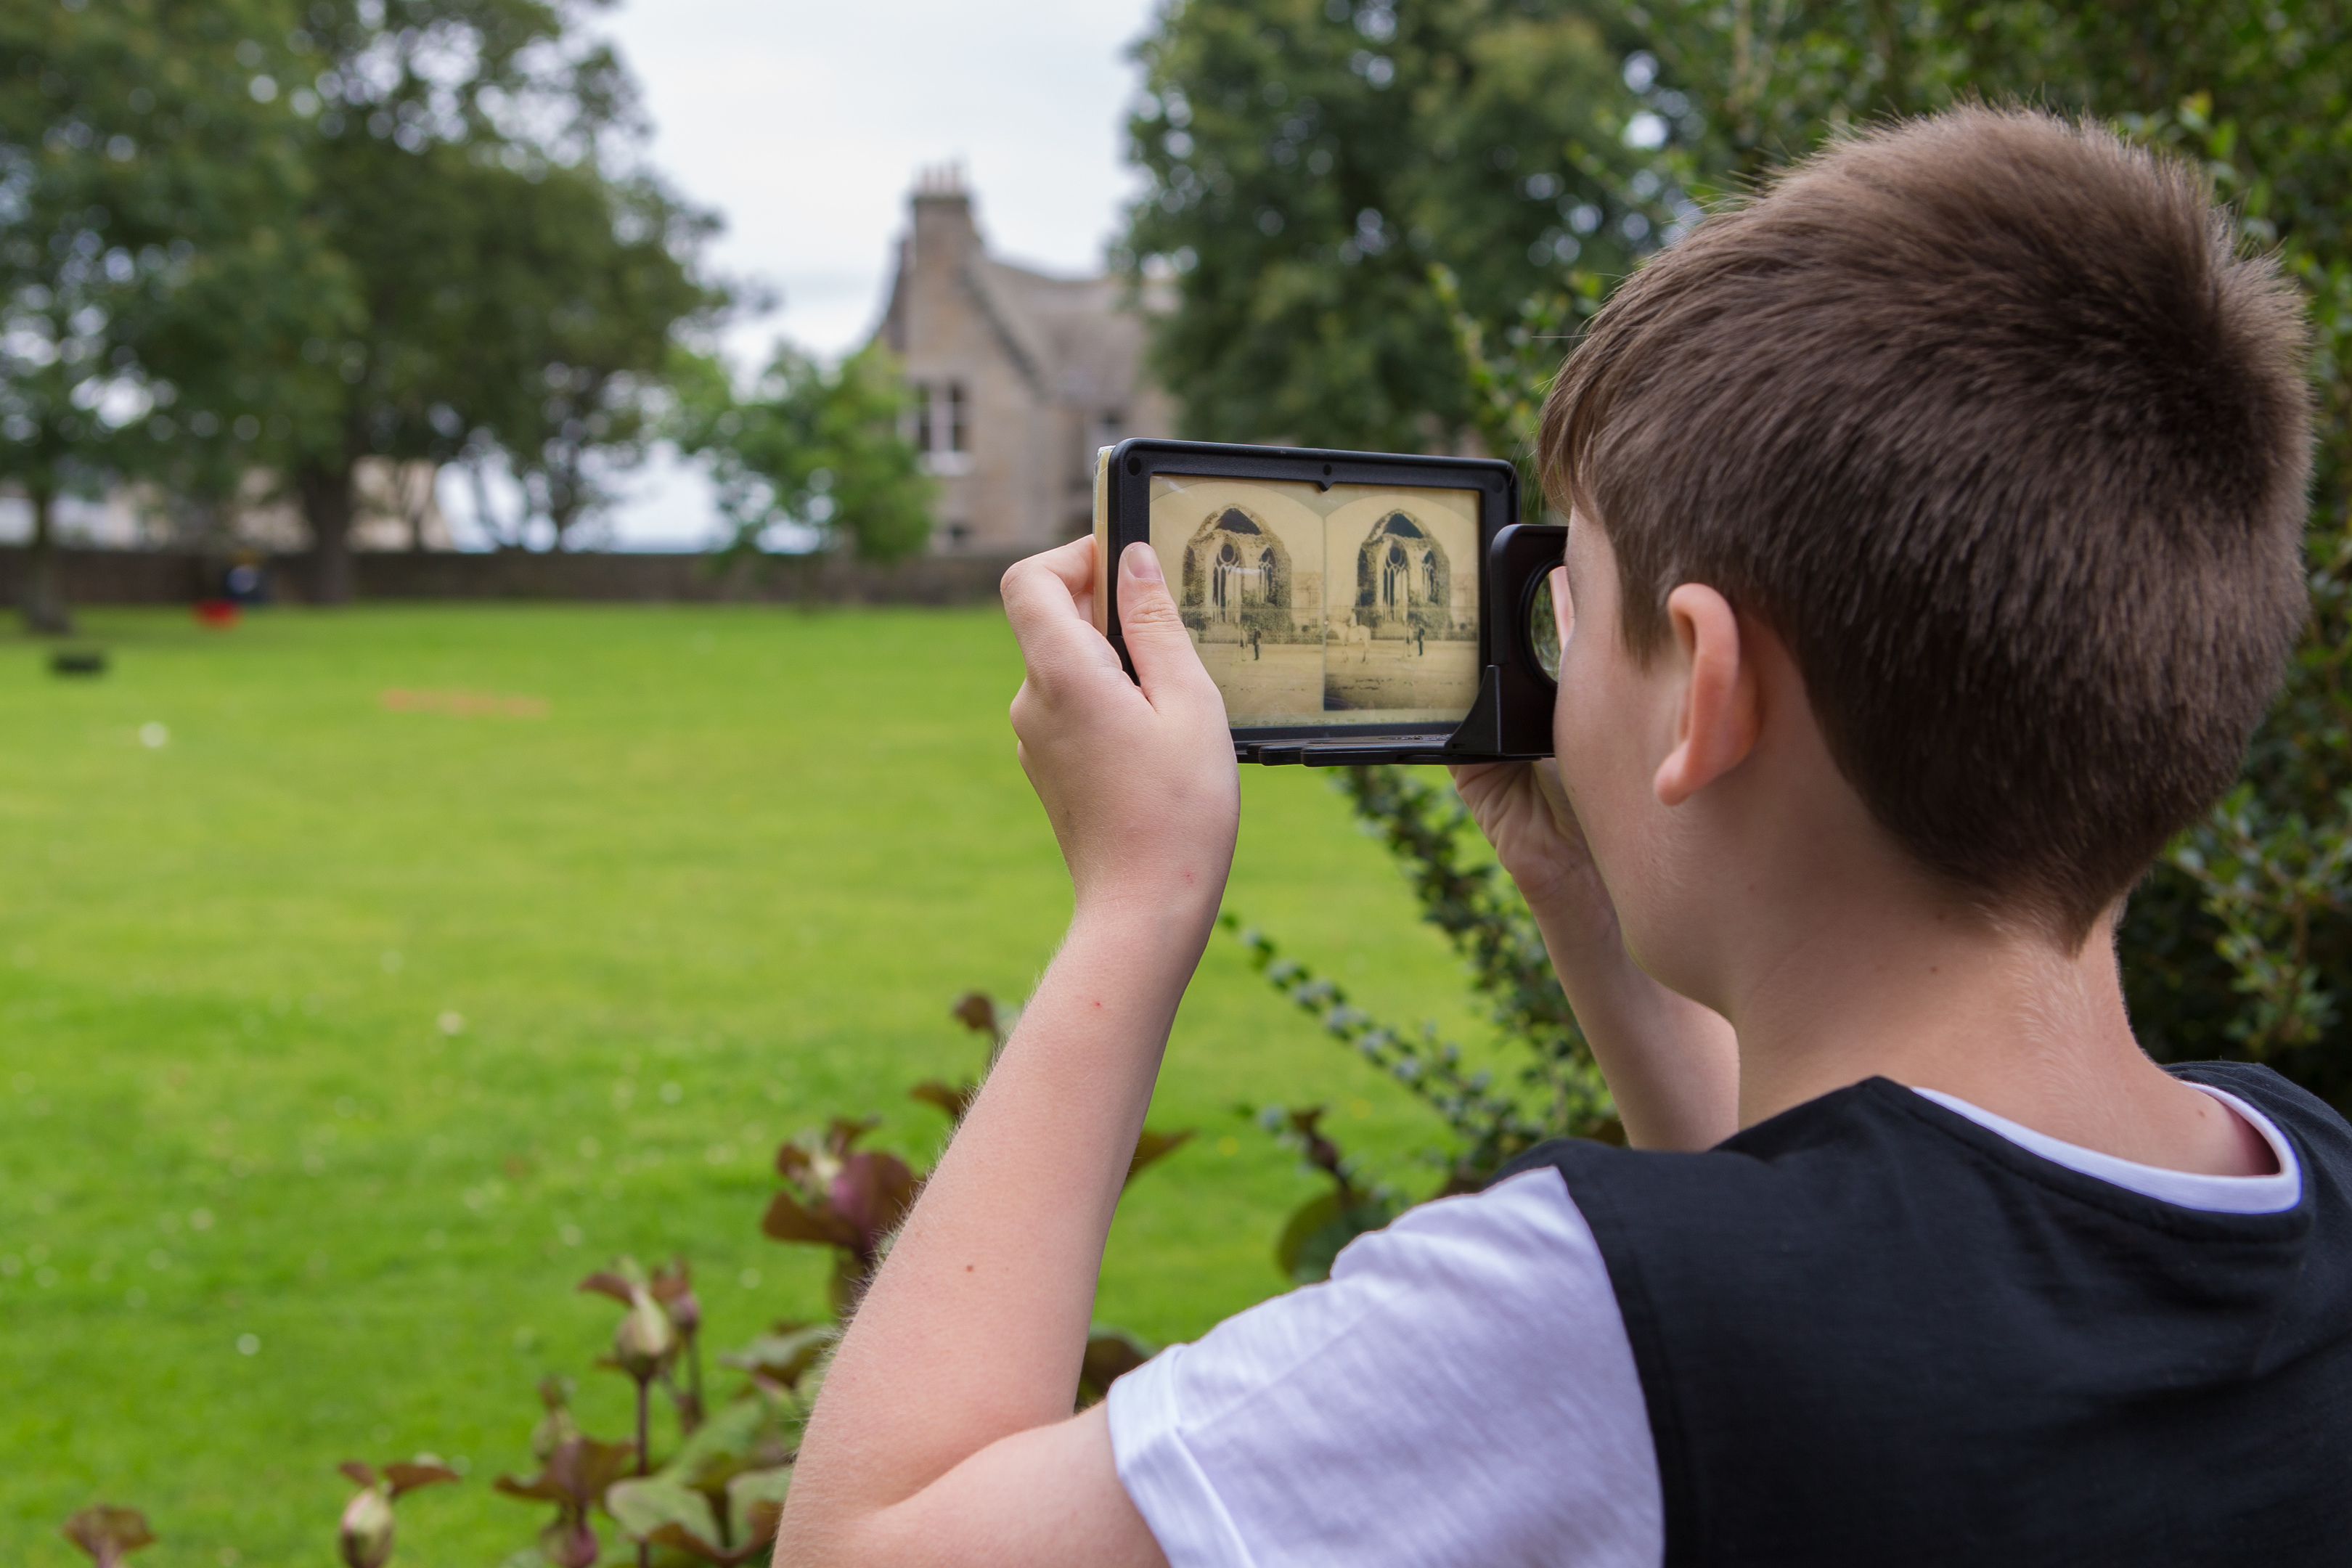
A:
1461, 1393
1041, 1498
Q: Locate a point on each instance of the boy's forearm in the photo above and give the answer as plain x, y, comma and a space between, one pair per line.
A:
974, 1328
1672, 1065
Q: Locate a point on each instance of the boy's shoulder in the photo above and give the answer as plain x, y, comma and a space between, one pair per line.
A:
1873, 1302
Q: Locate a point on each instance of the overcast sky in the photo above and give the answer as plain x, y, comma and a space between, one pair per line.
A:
805, 123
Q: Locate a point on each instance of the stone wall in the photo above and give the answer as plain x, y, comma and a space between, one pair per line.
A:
173, 577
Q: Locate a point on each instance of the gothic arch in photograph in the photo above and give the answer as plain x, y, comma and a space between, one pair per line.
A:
1403, 576
1232, 564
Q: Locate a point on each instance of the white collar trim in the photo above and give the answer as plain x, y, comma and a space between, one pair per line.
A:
2282, 1189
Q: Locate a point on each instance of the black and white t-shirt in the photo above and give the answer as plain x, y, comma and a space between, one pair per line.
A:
1463, 1390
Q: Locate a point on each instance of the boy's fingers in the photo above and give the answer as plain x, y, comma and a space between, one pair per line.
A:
1045, 598
1156, 639
1052, 583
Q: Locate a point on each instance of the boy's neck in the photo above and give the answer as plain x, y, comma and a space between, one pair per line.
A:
1999, 1016
1749, 876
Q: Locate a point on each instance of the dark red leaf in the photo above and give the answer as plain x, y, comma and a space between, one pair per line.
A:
1154, 1147
674, 1288
975, 1011
608, 1284
874, 1193
788, 1220
107, 1531
408, 1478
953, 1098
671, 1280
1109, 1357
539, 1488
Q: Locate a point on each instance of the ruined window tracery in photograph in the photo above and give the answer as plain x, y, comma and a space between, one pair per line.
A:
1403, 577
1232, 565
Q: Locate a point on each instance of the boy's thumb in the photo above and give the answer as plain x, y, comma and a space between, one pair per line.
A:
1155, 636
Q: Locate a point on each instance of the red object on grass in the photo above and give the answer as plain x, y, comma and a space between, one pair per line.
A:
218, 612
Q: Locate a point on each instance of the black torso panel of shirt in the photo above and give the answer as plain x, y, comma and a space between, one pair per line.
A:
1872, 1331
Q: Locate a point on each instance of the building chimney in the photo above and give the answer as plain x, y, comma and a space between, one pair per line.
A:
945, 234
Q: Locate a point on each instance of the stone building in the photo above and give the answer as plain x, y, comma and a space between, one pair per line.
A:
1019, 376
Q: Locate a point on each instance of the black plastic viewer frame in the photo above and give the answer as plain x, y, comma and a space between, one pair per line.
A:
1405, 596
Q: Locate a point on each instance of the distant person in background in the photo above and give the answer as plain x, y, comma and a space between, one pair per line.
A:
246, 581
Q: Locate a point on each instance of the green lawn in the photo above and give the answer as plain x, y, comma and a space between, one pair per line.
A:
337, 1041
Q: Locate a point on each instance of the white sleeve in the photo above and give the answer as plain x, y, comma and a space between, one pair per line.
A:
1461, 1391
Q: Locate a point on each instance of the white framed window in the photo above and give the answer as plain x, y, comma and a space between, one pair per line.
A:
942, 431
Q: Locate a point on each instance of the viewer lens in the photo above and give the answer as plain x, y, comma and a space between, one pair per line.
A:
1543, 629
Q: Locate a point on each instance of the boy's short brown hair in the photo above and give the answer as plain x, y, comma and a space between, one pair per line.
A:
1985, 417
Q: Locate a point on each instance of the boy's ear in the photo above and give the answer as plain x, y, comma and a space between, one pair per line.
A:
1717, 720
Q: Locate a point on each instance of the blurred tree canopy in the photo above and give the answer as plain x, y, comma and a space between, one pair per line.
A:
821, 454
2240, 942
154, 254
274, 238
516, 285
1311, 158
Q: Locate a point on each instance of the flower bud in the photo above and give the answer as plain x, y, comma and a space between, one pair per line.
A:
644, 1338
366, 1535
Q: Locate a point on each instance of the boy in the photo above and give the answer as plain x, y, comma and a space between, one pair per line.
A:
1933, 544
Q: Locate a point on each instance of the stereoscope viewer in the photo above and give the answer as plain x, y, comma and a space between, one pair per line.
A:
1352, 606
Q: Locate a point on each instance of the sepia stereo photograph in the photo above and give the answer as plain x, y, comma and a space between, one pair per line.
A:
1345, 604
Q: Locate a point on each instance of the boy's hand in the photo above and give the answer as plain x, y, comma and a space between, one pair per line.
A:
1139, 781
1525, 816
1672, 1065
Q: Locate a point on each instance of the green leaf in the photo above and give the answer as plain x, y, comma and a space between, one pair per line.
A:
1320, 1228
744, 1434
642, 1505
755, 1502
784, 1354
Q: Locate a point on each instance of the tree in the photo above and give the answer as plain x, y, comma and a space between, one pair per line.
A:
587, 300
1309, 160
263, 238
146, 177
516, 292
811, 454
